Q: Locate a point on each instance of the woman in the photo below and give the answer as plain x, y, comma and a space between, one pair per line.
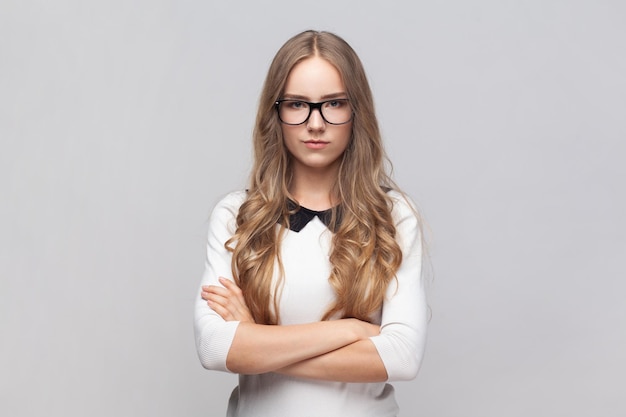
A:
312, 291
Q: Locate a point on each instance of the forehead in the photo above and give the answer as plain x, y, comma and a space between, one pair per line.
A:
314, 78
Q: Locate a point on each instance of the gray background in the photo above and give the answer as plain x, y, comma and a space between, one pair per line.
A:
123, 122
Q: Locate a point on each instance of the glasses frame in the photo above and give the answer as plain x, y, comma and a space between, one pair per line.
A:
312, 106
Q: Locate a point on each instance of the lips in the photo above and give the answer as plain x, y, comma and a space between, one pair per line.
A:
315, 144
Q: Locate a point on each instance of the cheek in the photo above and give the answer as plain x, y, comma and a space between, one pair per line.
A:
290, 138
346, 136
288, 133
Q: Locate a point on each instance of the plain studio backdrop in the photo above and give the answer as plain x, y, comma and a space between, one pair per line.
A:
123, 122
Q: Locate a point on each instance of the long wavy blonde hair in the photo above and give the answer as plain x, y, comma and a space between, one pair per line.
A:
365, 255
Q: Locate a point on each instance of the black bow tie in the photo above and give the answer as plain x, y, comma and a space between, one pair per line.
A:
303, 216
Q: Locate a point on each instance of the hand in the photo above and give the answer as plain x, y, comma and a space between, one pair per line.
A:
227, 301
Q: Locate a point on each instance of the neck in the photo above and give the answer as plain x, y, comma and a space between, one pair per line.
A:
313, 188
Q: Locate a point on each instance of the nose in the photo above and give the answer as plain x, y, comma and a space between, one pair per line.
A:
316, 121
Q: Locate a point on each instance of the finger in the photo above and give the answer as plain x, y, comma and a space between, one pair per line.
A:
227, 304
206, 292
228, 300
229, 308
217, 298
204, 287
230, 285
219, 309
234, 289
222, 280
216, 289
221, 306
225, 296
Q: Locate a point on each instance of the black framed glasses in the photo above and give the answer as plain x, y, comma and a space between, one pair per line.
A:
296, 112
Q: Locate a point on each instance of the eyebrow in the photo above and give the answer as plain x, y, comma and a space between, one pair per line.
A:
324, 97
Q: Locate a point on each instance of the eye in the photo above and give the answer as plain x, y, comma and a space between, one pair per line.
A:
335, 104
296, 105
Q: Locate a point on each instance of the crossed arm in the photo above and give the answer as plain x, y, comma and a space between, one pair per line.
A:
337, 350
346, 350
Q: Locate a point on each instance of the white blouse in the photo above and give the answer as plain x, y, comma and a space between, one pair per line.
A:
306, 295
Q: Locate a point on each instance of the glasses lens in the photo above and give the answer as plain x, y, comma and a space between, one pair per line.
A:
337, 111
293, 112
296, 112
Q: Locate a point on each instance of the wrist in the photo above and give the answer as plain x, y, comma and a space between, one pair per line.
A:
358, 330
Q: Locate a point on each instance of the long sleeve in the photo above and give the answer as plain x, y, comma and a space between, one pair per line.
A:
214, 336
404, 319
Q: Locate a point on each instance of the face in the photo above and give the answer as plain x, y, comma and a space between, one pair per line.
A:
315, 145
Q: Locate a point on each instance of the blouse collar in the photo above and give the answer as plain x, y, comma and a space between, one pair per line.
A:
300, 218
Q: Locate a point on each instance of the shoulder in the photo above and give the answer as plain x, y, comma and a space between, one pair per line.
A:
228, 206
407, 221
232, 200
403, 205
